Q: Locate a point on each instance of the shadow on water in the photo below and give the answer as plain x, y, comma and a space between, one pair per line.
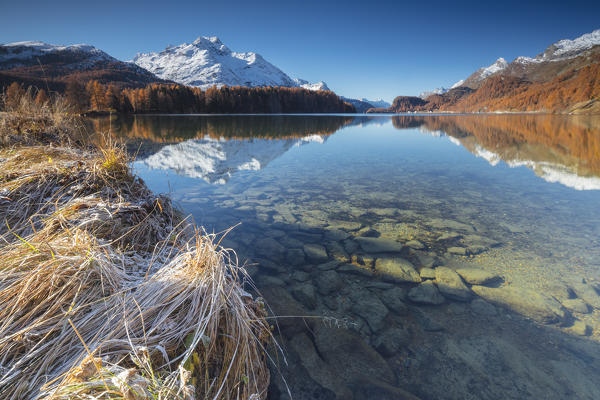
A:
355, 244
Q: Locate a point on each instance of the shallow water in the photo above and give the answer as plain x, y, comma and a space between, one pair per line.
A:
329, 211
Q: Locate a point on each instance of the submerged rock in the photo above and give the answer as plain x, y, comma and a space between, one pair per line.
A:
415, 244
377, 245
451, 285
457, 251
390, 341
372, 310
349, 356
295, 257
476, 276
576, 305
356, 269
328, 282
580, 328
425, 293
269, 248
336, 234
315, 253
305, 294
588, 293
337, 251
526, 302
328, 265
394, 300
397, 269
482, 307
427, 273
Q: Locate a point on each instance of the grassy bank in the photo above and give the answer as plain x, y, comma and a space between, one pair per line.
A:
106, 291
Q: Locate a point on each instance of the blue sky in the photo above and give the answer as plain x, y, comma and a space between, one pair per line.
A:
360, 48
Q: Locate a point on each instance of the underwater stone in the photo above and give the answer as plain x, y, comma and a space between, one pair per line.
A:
315, 252
376, 245
528, 303
328, 281
397, 269
482, 307
427, 273
372, 310
426, 293
305, 294
476, 276
576, 305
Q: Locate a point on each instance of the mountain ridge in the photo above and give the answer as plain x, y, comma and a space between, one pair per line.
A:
41, 64
561, 79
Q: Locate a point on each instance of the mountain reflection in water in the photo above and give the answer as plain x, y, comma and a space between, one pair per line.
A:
563, 149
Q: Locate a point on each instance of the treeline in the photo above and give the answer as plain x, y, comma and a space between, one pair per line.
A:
157, 128
178, 99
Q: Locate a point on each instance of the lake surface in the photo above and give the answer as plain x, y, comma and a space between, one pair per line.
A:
353, 228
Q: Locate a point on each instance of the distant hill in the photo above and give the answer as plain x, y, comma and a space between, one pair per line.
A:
41, 64
564, 78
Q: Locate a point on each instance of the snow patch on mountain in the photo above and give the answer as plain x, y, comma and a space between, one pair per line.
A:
571, 48
15, 54
427, 93
379, 103
311, 86
207, 62
457, 84
497, 66
216, 160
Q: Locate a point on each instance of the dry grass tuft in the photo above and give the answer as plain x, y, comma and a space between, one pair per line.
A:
27, 122
107, 293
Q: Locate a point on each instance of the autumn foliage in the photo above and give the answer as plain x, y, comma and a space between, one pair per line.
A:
178, 99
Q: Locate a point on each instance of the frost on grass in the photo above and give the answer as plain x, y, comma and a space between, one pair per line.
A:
107, 293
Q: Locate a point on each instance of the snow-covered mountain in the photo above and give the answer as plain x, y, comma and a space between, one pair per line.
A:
216, 160
538, 67
379, 103
427, 93
311, 86
23, 53
207, 62
44, 64
565, 49
482, 73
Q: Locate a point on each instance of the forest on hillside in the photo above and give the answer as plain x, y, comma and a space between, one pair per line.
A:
178, 99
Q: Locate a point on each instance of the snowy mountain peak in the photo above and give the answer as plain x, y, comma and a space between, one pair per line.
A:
497, 66
427, 93
311, 86
567, 48
207, 62
379, 103
482, 73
